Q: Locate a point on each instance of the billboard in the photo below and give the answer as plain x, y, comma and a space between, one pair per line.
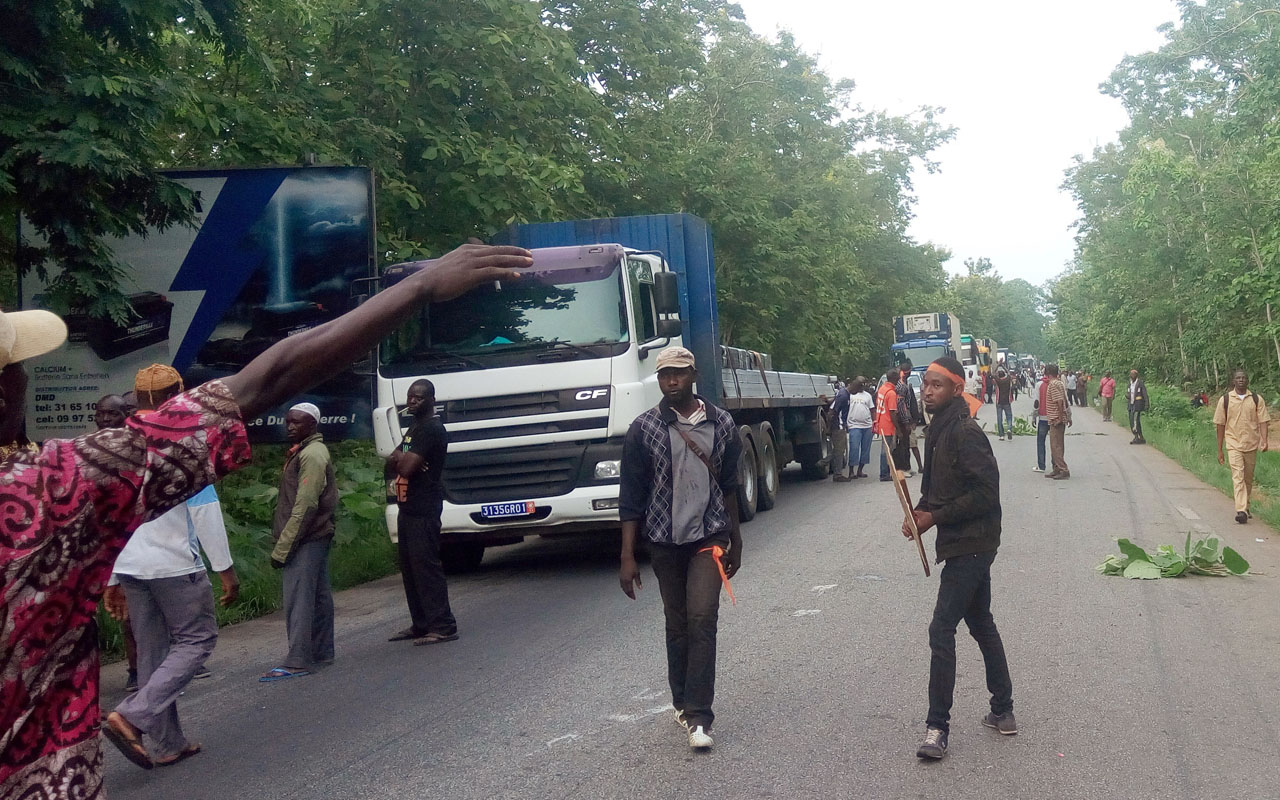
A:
273, 253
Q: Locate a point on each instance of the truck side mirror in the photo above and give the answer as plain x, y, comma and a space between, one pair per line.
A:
670, 328
666, 293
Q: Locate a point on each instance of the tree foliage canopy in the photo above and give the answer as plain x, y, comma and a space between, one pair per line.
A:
1179, 236
473, 115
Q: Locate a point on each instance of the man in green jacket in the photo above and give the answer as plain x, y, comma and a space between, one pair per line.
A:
303, 532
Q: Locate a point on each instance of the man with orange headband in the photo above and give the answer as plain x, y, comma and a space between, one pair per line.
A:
960, 494
679, 486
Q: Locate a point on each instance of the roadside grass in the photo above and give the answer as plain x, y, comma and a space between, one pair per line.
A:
361, 552
1188, 436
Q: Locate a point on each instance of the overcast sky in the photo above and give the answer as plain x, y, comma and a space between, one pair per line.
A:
1018, 79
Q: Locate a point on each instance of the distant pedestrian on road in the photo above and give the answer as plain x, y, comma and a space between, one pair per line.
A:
679, 489
160, 590
1082, 388
303, 531
1058, 414
418, 465
886, 410
1004, 405
1243, 424
1107, 391
1039, 402
916, 410
1071, 387
861, 411
839, 427
1137, 405
905, 421
961, 496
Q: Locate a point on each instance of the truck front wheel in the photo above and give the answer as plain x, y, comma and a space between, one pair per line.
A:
461, 557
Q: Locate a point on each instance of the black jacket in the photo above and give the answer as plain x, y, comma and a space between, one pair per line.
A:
1139, 395
961, 485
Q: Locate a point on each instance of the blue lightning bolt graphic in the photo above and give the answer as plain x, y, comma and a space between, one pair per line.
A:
221, 258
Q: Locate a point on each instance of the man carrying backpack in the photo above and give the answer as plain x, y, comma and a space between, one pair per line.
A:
1242, 421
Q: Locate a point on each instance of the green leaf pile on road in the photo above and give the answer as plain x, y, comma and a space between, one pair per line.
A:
361, 550
1206, 556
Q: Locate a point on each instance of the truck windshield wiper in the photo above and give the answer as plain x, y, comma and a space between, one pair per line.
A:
551, 346
435, 357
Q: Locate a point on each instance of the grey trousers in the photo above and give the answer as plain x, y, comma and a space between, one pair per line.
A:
308, 606
176, 630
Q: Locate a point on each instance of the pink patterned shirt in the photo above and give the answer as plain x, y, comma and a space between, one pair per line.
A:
65, 513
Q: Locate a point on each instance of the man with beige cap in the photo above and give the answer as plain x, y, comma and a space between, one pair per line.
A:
70, 508
679, 487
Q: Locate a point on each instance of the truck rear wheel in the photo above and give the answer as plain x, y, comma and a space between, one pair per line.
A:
767, 449
461, 557
815, 458
748, 472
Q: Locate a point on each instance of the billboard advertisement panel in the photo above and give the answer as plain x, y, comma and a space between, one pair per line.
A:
273, 253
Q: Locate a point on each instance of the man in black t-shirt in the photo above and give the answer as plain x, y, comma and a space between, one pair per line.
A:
419, 468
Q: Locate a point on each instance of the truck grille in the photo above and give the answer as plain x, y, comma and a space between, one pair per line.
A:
523, 405
522, 473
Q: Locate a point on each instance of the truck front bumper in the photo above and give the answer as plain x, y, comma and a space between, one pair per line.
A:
584, 508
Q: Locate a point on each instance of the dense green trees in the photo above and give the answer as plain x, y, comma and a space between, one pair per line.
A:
1180, 232
474, 114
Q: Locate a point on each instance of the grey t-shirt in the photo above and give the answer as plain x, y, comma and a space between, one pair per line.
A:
690, 481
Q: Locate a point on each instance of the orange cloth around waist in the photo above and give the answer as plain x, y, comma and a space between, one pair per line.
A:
716, 552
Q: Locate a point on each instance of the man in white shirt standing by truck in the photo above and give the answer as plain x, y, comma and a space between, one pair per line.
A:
160, 578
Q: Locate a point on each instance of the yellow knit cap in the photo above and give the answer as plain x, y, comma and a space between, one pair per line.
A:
156, 379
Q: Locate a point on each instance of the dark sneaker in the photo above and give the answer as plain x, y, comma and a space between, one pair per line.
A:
934, 745
131, 682
1062, 476
1001, 722
1242, 517
203, 672
1051, 474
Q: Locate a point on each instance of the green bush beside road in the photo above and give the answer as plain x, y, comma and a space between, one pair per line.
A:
361, 550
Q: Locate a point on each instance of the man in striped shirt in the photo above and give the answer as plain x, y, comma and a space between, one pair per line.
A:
1058, 411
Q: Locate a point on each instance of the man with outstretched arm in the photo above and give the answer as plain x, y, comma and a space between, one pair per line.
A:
85, 497
960, 494
679, 488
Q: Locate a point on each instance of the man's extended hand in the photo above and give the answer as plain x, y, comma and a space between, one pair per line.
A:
471, 265
230, 586
116, 605
629, 577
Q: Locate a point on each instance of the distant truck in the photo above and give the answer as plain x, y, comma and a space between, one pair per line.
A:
922, 338
538, 380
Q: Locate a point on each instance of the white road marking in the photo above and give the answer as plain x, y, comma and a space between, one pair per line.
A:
807, 612
568, 737
824, 589
1186, 512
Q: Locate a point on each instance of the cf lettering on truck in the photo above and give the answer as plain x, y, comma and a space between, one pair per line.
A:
538, 381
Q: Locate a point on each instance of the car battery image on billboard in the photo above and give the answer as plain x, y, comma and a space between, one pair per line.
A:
148, 325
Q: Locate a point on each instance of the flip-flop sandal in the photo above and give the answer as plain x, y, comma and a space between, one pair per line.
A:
407, 633
130, 746
187, 752
435, 638
281, 673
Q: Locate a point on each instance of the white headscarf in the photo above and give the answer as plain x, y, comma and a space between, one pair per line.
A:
308, 409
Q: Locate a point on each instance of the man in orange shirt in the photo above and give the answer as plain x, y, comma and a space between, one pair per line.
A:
886, 406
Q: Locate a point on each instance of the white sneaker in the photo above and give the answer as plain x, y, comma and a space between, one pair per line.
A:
680, 720
1036, 469
698, 738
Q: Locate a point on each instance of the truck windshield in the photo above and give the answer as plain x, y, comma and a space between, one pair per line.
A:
921, 356
548, 316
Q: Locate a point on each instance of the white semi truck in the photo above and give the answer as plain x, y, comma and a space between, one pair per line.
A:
538, 380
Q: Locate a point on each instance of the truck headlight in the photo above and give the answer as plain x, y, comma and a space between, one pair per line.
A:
608, 469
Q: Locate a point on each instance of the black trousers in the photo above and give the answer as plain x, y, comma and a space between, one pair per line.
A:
423, 573
964, 592
689, 583
1135, 422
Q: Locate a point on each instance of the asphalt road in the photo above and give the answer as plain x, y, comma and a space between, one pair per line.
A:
557, 688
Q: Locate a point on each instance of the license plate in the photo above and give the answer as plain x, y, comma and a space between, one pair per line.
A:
508, 510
